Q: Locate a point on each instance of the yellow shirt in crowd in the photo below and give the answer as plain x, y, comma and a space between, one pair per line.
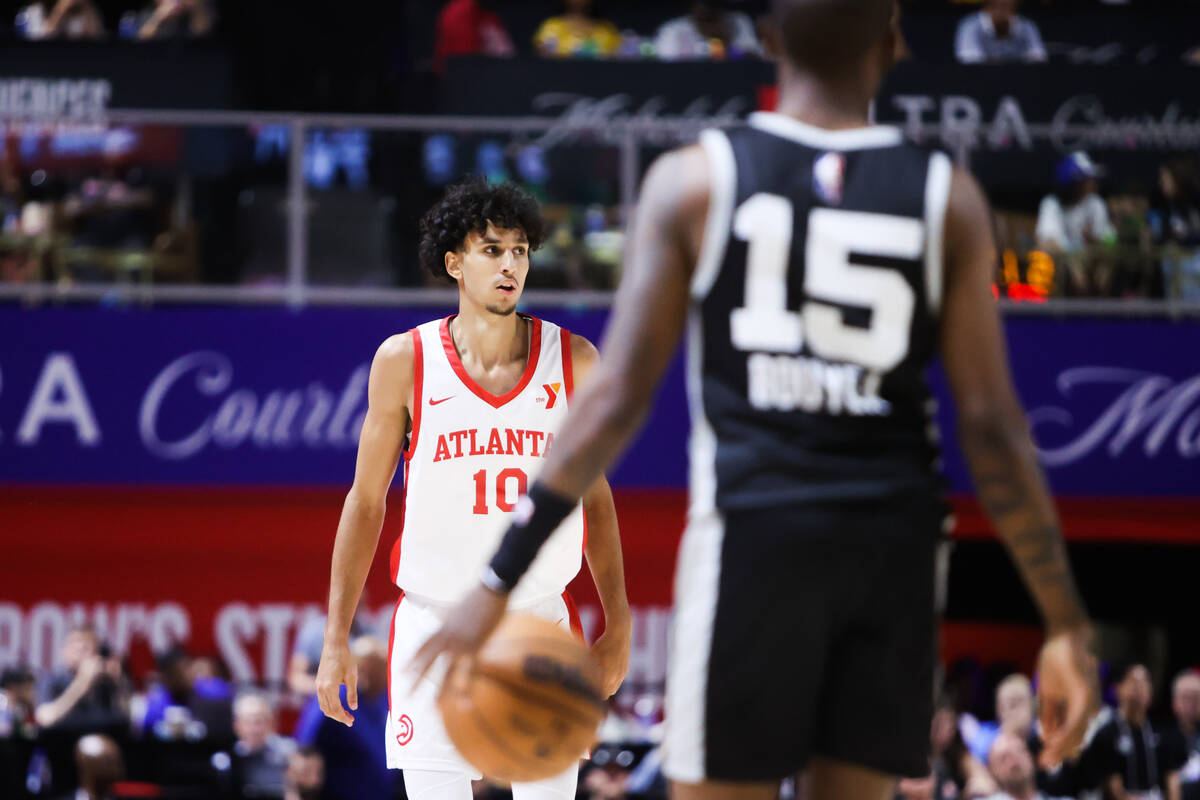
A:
562, 37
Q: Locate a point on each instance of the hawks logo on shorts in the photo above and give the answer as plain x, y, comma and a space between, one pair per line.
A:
404, 729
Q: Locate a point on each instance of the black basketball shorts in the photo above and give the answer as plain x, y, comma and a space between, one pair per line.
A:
803, 631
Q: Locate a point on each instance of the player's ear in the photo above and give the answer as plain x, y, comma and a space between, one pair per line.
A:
454, 264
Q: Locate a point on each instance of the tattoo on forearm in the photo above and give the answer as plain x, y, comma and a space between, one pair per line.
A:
1010, 493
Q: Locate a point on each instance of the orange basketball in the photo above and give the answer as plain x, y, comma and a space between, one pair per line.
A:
528, 706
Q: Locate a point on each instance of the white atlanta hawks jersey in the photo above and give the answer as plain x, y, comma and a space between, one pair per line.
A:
470, 455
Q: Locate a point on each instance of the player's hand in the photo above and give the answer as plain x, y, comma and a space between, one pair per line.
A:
1068, 693
611, 652
337, 667
463, 632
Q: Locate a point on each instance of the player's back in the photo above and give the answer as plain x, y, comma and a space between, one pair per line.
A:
815, 305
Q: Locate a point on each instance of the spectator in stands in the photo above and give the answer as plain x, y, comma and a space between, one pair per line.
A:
305, 775
64, 19
710, 30
260, 755
86, 694
1174, 218
468, 27
168, 19
997, 34
1185, 703
99, 764
1127, 757
18, 731
1014, 713
1073, 222
355, 758
955, 772
183, 706
1011, 765
577, 34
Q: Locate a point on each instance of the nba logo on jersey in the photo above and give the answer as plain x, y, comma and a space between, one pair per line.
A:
827, 177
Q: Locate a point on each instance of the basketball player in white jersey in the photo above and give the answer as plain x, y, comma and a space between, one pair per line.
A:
472, 403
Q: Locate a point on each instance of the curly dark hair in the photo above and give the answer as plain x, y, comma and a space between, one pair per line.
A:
469, 206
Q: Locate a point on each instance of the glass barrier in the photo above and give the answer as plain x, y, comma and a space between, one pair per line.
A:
240, 206
145, 204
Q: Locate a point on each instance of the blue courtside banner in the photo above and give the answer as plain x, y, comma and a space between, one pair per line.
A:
274, 396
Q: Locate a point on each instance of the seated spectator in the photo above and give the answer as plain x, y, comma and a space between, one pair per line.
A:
467, 27
577, 33
355, 757
260, 755
18, 731
167, 19
1174, 218
708, 31
87, 693
1014, 713
996, 34
1073, 221
99, 764
184, 707
1011, 765
1185, 705
64, 19
305, 775
1127, 757
954, 771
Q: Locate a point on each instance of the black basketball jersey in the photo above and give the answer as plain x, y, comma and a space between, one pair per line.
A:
814, 316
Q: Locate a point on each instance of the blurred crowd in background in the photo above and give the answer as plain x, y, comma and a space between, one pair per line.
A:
87, 730
89, 202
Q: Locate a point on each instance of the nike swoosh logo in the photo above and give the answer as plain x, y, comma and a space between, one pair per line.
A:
433, 402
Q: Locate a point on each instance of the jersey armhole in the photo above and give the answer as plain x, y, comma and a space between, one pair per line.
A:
937, 193
414, 413
723, 187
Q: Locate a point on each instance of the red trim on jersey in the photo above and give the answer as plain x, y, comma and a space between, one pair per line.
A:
418, 391
573, 616
568, 368
535, 348
394, 555
391, 644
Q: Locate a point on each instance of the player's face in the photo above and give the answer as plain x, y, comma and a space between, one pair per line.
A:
491, 268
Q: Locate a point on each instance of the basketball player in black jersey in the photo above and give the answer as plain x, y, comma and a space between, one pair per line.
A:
818, 264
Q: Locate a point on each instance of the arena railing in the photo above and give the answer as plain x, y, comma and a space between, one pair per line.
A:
629, 135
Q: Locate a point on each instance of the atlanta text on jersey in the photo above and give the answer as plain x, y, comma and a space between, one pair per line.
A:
787, 383
499, 442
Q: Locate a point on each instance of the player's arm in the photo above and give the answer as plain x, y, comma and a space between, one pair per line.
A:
995, 439
646, 323
380, 444
603, 553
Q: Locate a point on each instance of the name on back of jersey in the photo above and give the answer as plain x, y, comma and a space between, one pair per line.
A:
790, 383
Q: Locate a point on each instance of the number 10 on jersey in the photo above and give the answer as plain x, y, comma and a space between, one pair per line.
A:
506, 492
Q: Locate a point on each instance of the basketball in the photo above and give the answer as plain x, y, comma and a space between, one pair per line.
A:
528, 706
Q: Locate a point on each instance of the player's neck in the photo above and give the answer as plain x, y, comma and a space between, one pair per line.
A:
832, 105
490, 339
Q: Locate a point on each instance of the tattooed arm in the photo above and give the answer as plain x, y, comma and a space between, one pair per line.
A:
1008, 480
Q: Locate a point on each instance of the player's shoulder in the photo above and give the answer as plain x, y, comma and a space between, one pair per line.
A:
583, 352
396, 355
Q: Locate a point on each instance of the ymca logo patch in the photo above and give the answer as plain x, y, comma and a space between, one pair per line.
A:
404, 728
551, 397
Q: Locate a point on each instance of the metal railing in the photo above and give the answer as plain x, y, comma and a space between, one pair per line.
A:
627, 135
